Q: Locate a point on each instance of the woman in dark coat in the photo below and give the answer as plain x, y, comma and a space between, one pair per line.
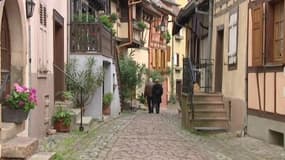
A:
157, 92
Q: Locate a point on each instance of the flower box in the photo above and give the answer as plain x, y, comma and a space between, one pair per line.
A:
13, 115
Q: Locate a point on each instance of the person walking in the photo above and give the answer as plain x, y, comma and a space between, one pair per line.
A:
148, 95
157, 92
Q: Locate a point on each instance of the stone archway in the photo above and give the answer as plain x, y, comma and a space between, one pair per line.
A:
14, 11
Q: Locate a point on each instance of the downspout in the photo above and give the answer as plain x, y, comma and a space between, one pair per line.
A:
210, 32
130, 25
246, 75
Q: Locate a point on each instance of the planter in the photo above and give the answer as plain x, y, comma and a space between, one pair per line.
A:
106, 110
13, 115
59, 126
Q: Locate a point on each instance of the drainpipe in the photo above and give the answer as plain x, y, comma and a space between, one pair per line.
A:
130, 25
246, 75
210, 31
30, 69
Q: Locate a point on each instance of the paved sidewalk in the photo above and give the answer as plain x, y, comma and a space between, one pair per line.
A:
143, 136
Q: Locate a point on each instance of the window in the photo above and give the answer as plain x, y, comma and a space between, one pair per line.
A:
176, 59
124, 11
272, 43
43, 15
233, 39
257, 34
278, 32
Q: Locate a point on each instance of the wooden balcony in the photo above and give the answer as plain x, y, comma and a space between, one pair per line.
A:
137, 35
91, 38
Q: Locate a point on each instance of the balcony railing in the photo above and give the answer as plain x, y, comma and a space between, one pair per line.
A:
91, 38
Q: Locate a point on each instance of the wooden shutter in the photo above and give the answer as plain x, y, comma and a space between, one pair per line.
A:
257, 34
168, 53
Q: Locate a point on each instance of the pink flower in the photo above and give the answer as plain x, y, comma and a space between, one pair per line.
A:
19, 88
21, 104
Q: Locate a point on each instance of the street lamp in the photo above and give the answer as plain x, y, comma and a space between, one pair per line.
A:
30, 4
162, 26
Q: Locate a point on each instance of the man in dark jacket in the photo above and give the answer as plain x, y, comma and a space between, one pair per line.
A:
148, 95
157, 92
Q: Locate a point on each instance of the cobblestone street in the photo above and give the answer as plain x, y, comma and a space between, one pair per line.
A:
143, 136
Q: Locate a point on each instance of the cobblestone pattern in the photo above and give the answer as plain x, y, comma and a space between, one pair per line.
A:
143, 136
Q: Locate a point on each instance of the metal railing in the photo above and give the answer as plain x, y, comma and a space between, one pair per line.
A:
205, 74
188, 82
90, 37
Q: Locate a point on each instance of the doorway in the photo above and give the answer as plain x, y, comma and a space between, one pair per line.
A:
178, 89
219, 60
58, 57
5, 55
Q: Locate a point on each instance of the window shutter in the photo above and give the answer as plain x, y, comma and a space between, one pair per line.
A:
257, 34
168, 53
233, 39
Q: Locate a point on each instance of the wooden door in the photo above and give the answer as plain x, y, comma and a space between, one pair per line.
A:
5, 54
219, 61
58, 56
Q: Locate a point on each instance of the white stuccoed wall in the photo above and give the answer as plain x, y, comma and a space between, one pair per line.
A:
94, 108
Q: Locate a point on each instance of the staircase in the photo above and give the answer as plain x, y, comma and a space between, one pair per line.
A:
19, 147
209, 112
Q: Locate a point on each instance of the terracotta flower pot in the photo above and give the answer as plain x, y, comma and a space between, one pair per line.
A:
13, 115
106, 110
59, 126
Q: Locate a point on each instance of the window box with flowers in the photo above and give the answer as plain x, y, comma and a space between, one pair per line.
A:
18, 104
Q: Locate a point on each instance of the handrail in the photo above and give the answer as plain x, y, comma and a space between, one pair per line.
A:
191, 88
3, 86
81, 128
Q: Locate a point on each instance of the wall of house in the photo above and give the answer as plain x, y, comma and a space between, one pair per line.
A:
42, 49
266, 96
94, 108
232, 92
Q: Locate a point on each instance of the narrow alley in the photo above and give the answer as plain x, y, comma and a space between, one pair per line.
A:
142, 136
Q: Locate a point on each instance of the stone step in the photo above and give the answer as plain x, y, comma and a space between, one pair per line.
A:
204, 113
10, 130
63, 104
19, 148
210, 129
208, 105
75, 112
86, 122
43, 156
208, 97
221, 122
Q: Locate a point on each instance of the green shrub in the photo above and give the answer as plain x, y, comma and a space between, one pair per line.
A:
62, 114
107, 99
141, 25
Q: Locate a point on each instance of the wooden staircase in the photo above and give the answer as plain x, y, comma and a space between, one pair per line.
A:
209, 113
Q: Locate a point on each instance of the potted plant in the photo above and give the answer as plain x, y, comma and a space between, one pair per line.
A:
107, 99
18, 104
141, 25
62, 120
67, 96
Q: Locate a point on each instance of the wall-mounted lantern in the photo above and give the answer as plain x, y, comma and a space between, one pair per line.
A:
30, 5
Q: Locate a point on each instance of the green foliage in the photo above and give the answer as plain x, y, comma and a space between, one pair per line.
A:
84, 18
130, 73
167, 36
58, 157
141, 99
154, 74
83, 82
113, 17
62, 114
107, 99
141, 25
67, 95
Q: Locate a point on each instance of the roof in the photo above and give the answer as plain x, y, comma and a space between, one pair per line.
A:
184, 16
166, 8
187, 12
